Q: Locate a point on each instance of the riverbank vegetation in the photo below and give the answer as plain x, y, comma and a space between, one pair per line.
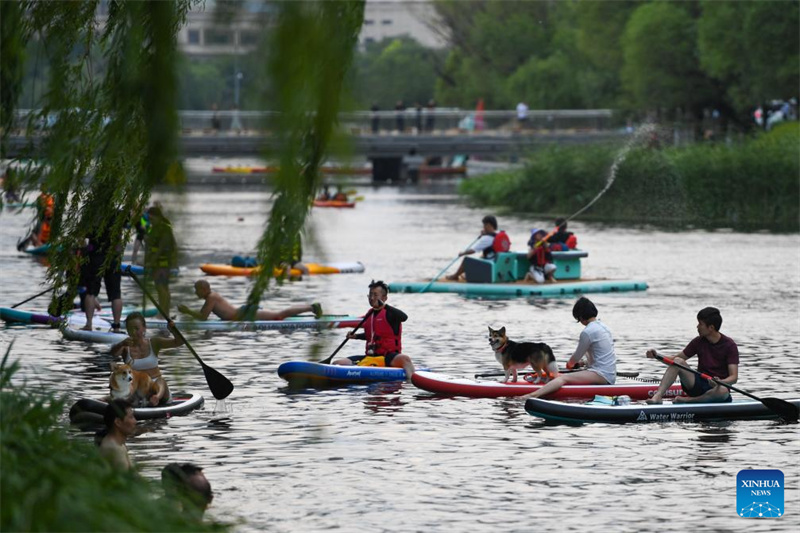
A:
56, 482
750, 184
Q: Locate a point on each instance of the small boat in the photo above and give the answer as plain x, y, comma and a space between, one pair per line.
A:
313, 269
603, 410
505, 277
38, 250
444, 384
334, 203
89, 412
305, 374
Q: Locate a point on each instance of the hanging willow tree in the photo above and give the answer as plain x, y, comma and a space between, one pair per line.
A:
112, 128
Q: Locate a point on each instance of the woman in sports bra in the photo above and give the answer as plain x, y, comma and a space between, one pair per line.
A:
141, 353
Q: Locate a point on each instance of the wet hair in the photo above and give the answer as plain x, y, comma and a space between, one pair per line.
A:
561, 224
584, 309
710, 317
116, 409
380, 284
491, 220
136, 315
178, 480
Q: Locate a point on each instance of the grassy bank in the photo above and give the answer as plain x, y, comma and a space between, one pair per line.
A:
52, 482
752, 184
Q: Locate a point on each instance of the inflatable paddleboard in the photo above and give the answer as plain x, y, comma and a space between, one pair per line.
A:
313, 269
305, 374
334, 203
454, 386
32, 317
88, 412
605, 411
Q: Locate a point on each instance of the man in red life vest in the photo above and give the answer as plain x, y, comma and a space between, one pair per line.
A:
490, 243
383, 330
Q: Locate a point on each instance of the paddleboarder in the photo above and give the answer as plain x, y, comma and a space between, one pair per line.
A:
717, 356
383, 331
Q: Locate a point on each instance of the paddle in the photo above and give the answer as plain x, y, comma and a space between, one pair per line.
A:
782, 408
562, 371
32, 298
439, 275
220, 386
327, 360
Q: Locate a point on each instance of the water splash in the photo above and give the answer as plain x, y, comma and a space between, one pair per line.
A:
643, 133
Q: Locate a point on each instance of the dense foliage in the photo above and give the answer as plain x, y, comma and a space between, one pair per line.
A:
752, 184
668, 58
55, 482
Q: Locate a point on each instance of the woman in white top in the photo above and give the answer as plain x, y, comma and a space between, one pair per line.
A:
598, 346
141, 353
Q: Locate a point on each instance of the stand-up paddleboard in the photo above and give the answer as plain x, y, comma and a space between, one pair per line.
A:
38, 250
101, 332
313, 269
32, 317
455, 386
605, 411
89, 412
139, 269
305, 374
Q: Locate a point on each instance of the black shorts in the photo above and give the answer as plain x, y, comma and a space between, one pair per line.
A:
387, 359
700, 387
91, 278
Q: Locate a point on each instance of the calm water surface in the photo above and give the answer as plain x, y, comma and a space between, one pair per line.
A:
391, 457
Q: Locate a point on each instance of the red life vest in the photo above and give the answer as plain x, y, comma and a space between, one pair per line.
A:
501, 242
572, 242
381, 336
540, 254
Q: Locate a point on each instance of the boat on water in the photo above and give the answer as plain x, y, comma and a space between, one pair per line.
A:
334, 204
89, 412
505, 277
313, 268
305, 374
604, 410
447, 385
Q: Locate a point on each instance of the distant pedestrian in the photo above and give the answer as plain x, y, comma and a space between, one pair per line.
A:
375, 118
400, 120
418, 109
413, 161
522, 115
431, 117
215, 122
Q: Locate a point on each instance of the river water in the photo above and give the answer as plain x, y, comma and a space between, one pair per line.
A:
392, 457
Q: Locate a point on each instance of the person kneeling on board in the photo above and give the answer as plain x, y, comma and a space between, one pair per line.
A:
383, 330
217, 304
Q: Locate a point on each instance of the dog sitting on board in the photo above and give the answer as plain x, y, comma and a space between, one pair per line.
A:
132, 385
518, 355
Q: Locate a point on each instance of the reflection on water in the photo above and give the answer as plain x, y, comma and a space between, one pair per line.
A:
392, 457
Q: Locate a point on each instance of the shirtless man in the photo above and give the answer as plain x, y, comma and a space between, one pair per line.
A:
215, 303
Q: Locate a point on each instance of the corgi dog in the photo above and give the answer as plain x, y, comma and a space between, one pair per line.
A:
518, 355
132, 385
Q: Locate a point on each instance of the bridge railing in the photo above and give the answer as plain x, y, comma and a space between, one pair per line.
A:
439, 121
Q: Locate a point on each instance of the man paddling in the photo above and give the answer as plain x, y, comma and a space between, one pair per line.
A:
718, 356
383, 330
215, 303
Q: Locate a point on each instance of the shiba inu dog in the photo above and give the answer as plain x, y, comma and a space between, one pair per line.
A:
518, 355
132, 385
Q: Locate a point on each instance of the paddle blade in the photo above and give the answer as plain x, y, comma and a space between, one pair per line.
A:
220, 386
787, 411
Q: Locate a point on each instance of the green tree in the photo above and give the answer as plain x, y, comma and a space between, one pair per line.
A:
394, 69
660, 70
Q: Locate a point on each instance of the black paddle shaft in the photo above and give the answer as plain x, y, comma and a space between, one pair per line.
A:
31, 298
784, 409
220, 386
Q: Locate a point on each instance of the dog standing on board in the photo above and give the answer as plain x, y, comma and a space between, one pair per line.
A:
518, 355
132, 385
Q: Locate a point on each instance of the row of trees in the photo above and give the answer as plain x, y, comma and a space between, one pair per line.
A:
665, 57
